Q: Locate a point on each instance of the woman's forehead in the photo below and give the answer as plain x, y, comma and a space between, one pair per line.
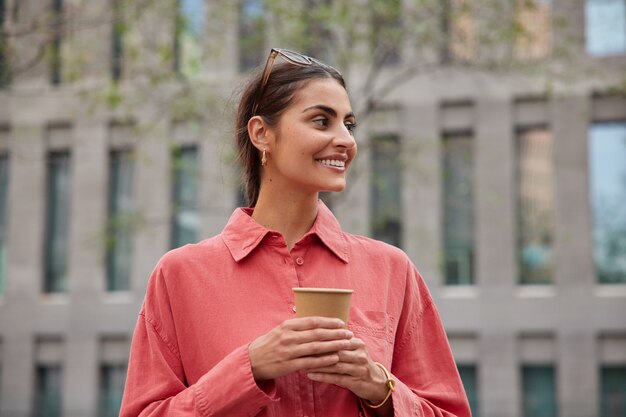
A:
325, 91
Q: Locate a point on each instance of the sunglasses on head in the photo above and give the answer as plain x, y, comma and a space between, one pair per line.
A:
292, 57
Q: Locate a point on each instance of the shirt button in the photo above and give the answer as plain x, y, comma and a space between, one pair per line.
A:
293, 308
300, 261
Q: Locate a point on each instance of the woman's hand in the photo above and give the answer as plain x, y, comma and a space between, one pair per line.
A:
355, 371
299, 344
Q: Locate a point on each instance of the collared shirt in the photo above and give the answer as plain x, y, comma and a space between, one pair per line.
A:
205, 303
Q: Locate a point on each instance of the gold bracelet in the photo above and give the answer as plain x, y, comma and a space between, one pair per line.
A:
391, 384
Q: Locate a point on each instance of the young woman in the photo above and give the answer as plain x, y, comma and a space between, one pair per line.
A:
217, 333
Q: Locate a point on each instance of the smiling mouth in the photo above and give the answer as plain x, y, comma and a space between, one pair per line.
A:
332, 163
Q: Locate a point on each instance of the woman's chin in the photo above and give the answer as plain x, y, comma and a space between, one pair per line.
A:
334, 189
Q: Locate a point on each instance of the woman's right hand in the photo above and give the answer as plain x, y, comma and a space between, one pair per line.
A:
298, 344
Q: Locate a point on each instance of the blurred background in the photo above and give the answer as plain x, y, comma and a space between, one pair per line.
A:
492, 149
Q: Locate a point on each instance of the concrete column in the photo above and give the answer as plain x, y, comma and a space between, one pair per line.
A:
494, 196
90, 173
421, 205
577, 374
495, 263
87, 276
153, 194
26, 213
571, 33
17, 374
573, 229
219, 179
91, 49
498, 375
80, 399
31, 58
221, 38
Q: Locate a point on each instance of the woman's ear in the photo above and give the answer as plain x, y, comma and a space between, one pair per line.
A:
259, 133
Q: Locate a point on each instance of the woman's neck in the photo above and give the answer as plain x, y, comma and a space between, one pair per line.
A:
291, 215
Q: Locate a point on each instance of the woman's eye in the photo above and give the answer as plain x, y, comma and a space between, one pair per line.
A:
351, 127
322, 121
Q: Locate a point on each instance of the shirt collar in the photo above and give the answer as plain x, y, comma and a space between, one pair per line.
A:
327, 228
243, 234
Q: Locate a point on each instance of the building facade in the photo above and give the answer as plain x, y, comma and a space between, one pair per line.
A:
507, 196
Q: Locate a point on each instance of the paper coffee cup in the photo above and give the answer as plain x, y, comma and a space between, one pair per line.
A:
325, 302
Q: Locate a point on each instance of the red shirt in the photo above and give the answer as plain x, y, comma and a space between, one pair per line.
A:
206, 302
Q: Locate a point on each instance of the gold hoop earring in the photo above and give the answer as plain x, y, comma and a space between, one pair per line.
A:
263, 159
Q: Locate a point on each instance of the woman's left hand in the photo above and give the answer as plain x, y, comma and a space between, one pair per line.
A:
355, 371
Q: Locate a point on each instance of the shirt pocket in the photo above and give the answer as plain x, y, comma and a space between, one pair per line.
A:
375, 328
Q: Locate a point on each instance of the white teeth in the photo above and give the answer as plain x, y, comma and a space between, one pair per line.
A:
333, 162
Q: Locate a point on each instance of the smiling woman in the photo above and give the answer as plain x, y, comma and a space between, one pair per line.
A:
267, 97
309, 149
217, 334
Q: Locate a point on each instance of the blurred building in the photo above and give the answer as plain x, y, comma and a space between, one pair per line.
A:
507, 195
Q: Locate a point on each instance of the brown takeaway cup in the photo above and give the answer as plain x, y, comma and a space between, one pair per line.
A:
325, 302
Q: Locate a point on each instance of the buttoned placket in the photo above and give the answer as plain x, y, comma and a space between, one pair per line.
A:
294, 262
293, 276
298, 257
298, 252
285, 270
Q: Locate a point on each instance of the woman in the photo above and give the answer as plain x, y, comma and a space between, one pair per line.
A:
217, 334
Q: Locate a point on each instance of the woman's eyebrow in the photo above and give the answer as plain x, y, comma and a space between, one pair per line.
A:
326, 109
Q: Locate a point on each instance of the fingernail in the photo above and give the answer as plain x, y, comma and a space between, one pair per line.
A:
341, 323
349, 334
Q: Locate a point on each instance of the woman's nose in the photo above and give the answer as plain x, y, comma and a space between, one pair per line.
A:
345, 138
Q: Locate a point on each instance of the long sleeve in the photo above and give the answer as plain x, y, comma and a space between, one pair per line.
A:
157, 384
427, 380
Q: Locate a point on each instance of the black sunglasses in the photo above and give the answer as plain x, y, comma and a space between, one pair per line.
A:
292, 57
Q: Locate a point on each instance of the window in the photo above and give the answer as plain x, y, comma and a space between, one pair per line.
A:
613, 395
385, 189
4, 186
117, 39
534, 20
252, 49
535, 206
112, 379
185, 216
468, 376
188, 40
113, 359
607, 166
458, 209
539, 391
47, 391
55, 45
120, 222
49, 353
605, 27
387, 31
57, 222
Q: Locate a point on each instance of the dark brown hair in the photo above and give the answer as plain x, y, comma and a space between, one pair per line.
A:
284, 81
